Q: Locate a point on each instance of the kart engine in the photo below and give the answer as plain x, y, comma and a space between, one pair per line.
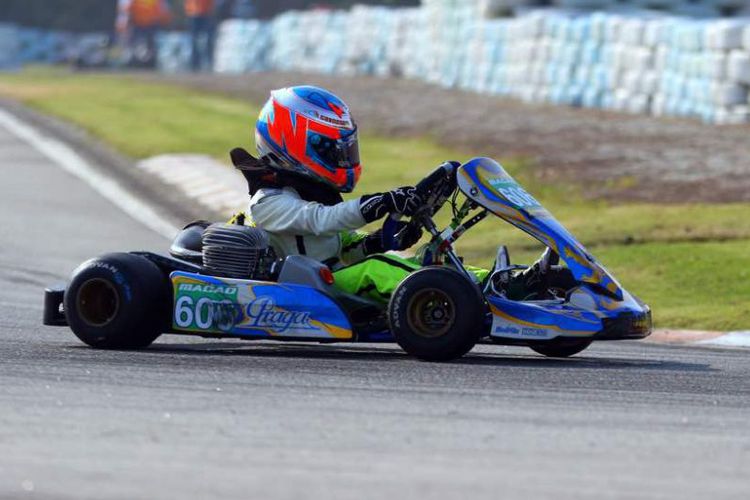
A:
237, 251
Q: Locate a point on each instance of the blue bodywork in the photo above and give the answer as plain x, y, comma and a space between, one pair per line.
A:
598, 307
255, 309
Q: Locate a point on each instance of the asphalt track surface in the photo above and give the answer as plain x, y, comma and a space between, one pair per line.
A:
193, 418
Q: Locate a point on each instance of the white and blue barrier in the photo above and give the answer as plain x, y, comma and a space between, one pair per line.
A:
9, 46
625, 59
173, 51
20, 45
632, 61
242, 46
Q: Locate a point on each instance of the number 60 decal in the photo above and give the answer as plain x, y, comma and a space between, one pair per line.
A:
204, 313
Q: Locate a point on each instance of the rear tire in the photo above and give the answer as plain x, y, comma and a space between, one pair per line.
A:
561, 348
437, 314
118, 301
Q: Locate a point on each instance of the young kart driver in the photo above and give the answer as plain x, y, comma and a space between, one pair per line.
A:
308, 140
309, 155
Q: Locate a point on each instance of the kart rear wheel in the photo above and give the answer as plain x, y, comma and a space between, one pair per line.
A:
118, 301
561, 348
436, 314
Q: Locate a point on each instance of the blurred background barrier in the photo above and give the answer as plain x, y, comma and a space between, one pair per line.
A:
173, 51
242, 46
9, 46
663, 57
628, 60
20, 45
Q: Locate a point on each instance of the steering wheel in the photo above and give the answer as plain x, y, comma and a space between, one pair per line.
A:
435, 190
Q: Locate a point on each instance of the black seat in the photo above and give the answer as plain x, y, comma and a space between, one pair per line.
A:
188, 244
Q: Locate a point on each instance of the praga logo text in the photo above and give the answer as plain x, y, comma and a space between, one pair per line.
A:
262, 313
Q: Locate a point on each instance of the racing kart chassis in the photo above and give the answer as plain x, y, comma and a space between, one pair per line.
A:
126, 300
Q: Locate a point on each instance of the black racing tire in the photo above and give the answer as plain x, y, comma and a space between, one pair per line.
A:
563, 348
118, 301
437, 314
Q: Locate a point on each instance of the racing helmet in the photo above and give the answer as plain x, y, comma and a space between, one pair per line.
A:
309, 131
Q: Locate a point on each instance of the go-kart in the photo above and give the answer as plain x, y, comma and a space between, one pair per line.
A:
224, 280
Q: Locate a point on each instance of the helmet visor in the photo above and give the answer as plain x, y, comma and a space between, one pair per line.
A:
337, 153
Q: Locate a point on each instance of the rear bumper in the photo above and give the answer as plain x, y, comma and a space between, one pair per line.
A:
54, 313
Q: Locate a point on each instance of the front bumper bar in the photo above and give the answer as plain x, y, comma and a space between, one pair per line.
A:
627, 326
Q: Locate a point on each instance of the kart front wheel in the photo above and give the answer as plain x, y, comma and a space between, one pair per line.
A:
561, 348
118, 301
436, 314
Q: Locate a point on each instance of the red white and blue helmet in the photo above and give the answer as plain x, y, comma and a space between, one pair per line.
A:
309, 131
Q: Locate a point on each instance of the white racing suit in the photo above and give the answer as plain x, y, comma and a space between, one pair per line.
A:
328, 234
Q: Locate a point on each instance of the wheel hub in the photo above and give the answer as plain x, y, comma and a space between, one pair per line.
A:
97, 302
431, 313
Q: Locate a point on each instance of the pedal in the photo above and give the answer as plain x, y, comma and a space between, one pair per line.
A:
499, 277
548, 259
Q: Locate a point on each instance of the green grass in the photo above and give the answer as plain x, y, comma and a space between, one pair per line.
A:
690, 262
138, 119
689, 285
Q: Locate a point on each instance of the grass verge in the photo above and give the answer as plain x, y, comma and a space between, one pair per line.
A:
690, 262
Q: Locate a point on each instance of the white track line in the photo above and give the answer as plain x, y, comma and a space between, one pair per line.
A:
70, 161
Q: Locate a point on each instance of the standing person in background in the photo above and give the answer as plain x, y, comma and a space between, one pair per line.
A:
144, 18
202, 22
122, 23
123, 26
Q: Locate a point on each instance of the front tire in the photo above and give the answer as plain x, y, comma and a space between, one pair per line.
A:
561, 348
118, 301
437, 314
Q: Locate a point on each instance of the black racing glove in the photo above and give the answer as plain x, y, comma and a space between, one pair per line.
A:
406, 236
403, 200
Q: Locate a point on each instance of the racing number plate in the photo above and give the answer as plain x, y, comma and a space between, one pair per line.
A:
206, 304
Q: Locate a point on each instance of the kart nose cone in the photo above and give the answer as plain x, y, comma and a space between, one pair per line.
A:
629, 325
